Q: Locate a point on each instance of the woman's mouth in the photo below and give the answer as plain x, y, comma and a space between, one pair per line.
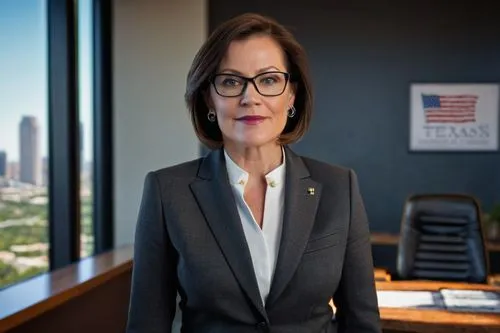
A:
251, 120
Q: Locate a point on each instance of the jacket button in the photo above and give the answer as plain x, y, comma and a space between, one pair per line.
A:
262, 326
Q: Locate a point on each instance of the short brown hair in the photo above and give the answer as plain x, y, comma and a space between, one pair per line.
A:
210, 55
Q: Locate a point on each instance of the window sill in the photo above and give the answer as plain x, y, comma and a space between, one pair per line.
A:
28, 299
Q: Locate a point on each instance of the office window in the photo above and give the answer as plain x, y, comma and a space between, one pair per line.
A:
23, 140
85, 63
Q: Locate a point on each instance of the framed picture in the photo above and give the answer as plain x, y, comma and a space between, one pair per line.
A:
454, 117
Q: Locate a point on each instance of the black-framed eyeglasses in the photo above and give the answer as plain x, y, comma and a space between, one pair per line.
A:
267, 84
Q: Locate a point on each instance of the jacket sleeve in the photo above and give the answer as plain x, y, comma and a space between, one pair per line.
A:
154, 279
356, 299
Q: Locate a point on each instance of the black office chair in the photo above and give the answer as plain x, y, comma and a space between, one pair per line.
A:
441, 238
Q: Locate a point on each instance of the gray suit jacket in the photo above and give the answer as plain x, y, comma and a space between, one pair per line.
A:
189, 239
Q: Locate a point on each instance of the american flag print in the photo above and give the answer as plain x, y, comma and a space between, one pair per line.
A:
455, 109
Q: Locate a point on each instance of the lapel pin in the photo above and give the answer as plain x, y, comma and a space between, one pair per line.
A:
310, 191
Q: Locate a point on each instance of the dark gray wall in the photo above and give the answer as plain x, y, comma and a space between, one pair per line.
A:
364, 55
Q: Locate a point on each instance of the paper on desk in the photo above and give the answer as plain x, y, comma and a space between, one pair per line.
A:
471, 300
408, 299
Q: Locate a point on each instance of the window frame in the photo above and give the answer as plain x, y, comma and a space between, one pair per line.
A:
64, 138
103, 126
64, 131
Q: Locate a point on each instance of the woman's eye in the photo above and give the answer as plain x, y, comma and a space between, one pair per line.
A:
230, 82
268, 80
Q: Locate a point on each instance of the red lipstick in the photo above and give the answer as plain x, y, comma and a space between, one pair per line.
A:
251, 120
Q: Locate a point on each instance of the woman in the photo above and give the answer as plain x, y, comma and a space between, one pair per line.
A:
252, 236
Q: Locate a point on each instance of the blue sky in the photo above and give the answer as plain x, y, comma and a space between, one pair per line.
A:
23, 71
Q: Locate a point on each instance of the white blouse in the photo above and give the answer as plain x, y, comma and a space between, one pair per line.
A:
263, 243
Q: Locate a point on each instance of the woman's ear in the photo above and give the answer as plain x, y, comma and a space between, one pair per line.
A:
208, 99
291, 94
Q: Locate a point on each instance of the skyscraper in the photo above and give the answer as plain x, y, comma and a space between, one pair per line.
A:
13, 170
30, 159
45, 171
3, 164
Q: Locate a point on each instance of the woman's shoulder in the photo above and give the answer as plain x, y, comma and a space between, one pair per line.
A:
327, 172
187, 169
320, 165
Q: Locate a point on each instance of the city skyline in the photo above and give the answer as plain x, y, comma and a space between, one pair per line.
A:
32, 167
5, 154
25, 187
24, 68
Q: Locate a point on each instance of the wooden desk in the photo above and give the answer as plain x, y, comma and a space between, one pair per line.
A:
494, 280
380, 238
381, 275
435, 321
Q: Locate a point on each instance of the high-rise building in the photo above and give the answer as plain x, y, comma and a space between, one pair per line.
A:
13, 170
3, 164
45, 171
30, 159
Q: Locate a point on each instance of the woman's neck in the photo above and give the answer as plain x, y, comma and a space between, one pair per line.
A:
257, 161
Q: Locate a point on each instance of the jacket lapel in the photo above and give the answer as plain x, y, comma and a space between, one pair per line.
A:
302, 195
215, 198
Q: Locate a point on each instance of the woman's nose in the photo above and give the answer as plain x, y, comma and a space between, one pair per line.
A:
250, 94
